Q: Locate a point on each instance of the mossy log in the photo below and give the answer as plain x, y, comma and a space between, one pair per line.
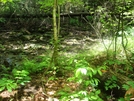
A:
121, 79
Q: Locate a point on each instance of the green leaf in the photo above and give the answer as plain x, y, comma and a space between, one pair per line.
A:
131, 83
114, 78
90, 74
80, 80
121, 99
87, 82
106, 87
9, 88
100, 72
13, 85
96, 81
22, 83
97, 92
93, 97
2, 88
2, 83
126, 87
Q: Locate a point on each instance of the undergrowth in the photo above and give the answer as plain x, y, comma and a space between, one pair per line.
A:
86, 69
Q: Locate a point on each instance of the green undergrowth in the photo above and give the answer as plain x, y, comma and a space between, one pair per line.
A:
84, 69
21, 72
88, 66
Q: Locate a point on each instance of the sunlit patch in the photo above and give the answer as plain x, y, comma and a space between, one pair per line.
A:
51, 92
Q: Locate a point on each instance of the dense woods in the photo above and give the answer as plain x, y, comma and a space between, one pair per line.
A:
66, 50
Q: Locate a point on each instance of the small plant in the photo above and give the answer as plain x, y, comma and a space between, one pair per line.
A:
33, 66
9, 84
129, 87
82, 96
12, 81
21, 76
84, 77
111, 83
84, 73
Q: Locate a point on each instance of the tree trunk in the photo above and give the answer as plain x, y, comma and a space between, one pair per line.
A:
55, 35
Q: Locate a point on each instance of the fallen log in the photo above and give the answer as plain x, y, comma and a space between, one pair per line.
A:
116, 92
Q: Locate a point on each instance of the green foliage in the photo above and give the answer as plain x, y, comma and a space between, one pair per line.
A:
105, 20
21, 73
84, 73
81, 96
128, 85
9, 84
121, 66
121, 99
47, 5
4, 1
131, 83
112, 62
33, 66
129, 31
74, 22
125, 86
84, 76
111, 83
12, 81
21, 77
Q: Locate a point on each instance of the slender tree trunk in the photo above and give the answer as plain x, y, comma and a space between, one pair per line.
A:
58, 20
116, 37
55, 35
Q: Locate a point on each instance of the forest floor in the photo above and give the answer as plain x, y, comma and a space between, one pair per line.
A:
15, 44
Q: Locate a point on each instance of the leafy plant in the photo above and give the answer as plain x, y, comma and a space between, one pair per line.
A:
21, 76
12, 81
33, 66
84, 73
121, 99
74, 21
111, 83
9, 84
84, 76
128, 85
82, 96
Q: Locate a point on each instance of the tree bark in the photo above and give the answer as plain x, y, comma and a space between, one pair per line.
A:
55, 35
